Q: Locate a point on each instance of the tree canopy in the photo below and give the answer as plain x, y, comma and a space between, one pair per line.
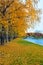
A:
16, 16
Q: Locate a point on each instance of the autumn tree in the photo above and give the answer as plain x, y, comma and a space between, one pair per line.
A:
17, 16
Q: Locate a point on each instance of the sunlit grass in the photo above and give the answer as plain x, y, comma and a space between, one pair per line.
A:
21, 52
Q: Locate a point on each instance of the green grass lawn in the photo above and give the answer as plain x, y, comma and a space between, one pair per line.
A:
21, 52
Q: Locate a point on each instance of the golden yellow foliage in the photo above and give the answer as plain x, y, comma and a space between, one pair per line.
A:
14, 14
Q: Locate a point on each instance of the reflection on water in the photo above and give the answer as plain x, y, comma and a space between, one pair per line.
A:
35, 40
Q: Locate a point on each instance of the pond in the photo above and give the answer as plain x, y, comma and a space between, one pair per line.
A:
35, 40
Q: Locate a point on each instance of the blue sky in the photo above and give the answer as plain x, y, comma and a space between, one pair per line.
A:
39, 26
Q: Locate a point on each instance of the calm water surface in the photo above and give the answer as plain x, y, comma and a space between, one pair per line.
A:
34, 40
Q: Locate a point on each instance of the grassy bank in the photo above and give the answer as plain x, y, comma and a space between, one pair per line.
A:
21, 52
